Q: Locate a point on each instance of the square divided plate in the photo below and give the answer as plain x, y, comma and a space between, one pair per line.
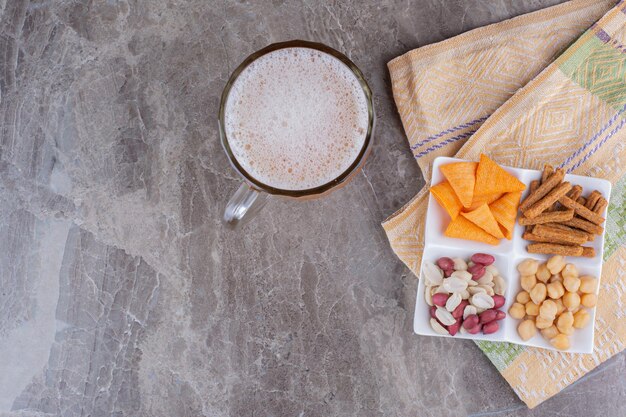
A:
508, 254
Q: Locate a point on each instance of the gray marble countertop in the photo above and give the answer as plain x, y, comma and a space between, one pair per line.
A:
121, 293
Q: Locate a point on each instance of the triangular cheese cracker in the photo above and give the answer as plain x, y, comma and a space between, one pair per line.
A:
445, 196
483, 218
464, 229
505, 211
507, 233
491, 178
462, 177
479, 200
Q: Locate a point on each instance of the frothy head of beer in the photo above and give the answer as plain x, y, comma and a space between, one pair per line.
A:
296, 118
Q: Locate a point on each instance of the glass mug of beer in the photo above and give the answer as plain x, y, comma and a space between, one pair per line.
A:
296, 120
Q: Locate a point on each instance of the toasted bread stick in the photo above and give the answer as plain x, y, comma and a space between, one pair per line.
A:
549, 217
600, 206
553, 207
536, 238
575, 192
552, 181
554, 249
585, 225
592, 199
588, 252
547, 171
560, 226
581, 200
534, 184
553, 196
581, 210
563, 226
571, 236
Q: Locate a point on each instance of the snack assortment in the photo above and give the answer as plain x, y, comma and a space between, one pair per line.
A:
481, 199
558, 220
553, 300
561, 216
464, 296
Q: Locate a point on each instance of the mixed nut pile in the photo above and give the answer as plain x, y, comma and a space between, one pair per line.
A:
552, 300
464, 296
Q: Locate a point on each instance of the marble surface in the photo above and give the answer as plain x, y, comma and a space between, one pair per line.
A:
121, 293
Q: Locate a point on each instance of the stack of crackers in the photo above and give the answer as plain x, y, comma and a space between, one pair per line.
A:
558, 219
481, 199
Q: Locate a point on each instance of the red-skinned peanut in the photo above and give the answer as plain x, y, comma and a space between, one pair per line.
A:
474, 330
498, 301
440, 299
477, 271
487, 316
491, 327
458, 311
445, 263
470, 321
483, 259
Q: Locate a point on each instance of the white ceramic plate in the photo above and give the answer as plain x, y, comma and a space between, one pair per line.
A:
508, 254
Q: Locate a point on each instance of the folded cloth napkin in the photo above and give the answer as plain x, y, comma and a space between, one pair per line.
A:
499, 90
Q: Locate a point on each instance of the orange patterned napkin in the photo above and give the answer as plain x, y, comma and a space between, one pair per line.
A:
495, 90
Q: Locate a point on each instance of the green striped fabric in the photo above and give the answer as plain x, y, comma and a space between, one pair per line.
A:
598, 65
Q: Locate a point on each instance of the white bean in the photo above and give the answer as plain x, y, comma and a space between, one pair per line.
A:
444, 316
428, 296
476, 290
482, 300
454, 284
492, 270
486, 278
459, 264
453, 301
488, 290
438, 328
439, 290
432, 274
500, 285
462, 274
469, 310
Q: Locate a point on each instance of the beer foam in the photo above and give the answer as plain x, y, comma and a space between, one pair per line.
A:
296, 118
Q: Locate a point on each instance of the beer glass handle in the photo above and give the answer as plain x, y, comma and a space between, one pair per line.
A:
245, 202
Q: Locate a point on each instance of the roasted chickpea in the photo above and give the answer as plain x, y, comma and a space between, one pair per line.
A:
589, 300
560, 342
528, 282
526, 329
555, 290
517, 311
532, 309
550, 332
571, 300
523, 297
569, 270
543, 322
571, 284
548, 309
556, 264
565, 323
528, 267
588, 284
538, 293
556, 278
543, 274
581, 318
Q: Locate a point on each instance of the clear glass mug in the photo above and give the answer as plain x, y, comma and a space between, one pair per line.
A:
252, 194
